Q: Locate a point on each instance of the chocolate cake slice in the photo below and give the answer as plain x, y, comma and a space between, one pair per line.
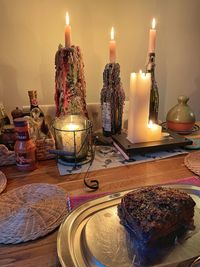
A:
156, 213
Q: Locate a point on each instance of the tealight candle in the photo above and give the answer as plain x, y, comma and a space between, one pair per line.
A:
154, 132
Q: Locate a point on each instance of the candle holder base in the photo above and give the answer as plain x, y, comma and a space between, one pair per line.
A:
74, 164
170, 140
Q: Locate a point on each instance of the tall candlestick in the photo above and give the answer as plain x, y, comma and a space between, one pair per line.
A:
139, 107
112, 46
67, 32
152, 37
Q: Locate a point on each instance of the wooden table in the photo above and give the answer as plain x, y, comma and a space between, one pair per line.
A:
42, 252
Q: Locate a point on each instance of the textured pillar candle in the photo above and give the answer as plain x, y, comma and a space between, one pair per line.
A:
152, 37
67, 32
112, 47
139, 107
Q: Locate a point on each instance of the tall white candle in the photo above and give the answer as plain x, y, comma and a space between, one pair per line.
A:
132, 106
112, 46
139, 107
67, 32
152, 37
139, 128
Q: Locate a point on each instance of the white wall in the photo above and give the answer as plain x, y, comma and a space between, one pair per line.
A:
30, 31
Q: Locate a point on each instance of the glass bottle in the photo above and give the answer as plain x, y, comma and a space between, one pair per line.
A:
34, 107
25, 148
37, 114
154, 95
112, 100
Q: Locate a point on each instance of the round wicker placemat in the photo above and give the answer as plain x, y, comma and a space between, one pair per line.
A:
3, 181
31, 211
192, 162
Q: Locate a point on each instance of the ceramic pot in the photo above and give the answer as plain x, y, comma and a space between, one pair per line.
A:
181, 118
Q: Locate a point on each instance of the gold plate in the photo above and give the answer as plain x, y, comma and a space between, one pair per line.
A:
92, 236
3, 181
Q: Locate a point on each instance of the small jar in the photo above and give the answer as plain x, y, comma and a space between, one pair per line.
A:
8, 137
25, 149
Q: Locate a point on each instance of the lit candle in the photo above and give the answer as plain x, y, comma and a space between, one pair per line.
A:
132, 106
154, 132
67, 32
139, 107
71, 136
112, 46
152, 37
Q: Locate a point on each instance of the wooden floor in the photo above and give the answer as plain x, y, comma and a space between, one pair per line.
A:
42, 252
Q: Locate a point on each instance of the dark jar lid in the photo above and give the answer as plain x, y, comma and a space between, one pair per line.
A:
20, 122
17, 113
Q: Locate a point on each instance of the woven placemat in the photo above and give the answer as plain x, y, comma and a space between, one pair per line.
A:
3, 181
192, 162
31, 211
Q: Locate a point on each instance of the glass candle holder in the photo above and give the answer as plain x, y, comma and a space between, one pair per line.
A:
73, 135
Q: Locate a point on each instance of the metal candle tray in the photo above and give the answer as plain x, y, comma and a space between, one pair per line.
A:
170, 140
92, 236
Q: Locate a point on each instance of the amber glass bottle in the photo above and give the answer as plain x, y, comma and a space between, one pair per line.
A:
34, 102
154, 94
24, 147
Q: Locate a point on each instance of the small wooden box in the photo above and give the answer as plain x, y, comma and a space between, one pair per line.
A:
42, 147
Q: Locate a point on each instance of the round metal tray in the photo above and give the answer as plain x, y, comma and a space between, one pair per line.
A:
194, 129
92, 236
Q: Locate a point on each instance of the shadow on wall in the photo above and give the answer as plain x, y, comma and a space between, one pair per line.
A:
194, 100
8, 81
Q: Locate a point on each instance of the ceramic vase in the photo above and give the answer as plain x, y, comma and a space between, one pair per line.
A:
181, 118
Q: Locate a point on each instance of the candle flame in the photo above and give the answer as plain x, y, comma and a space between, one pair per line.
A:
153, 23
71, 127
152, 125
112, 34
67, 18
133, 75
143, 74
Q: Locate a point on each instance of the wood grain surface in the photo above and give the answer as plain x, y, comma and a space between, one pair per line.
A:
42, 252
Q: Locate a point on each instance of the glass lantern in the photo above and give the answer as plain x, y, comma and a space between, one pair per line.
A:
73, 136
